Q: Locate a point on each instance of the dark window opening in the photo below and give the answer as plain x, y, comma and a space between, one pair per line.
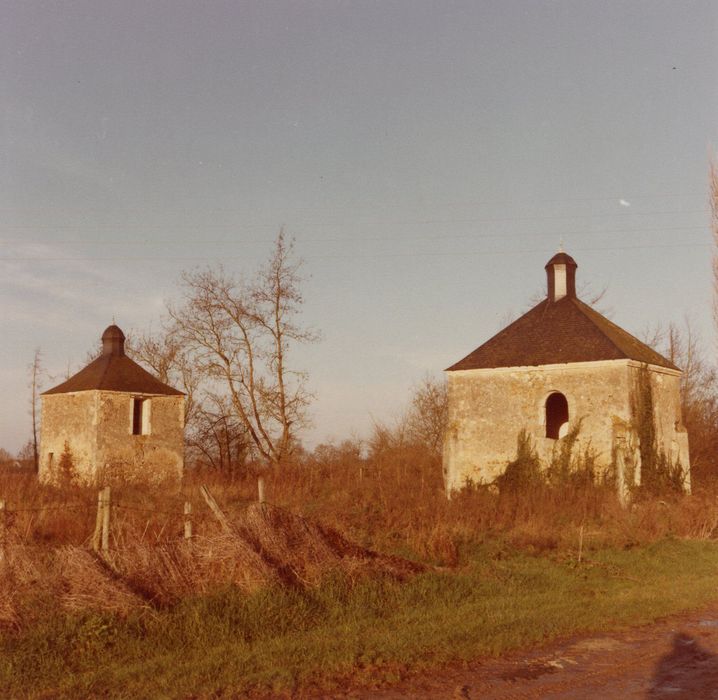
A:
556, 414
137, 416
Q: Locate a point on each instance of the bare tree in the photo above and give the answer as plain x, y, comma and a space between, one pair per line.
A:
428, 415
35, 370
239, 334
411, 444
212, 433
218, 438
166, 356
682, 345
25, 454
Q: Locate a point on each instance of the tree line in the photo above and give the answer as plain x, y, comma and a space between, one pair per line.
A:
227, 343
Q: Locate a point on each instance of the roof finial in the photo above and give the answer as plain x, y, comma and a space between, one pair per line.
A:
560, 249
113, 341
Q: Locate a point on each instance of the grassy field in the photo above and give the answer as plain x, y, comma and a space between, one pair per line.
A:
287, 604
353, 633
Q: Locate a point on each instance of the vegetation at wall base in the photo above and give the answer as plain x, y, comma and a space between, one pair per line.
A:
659, 474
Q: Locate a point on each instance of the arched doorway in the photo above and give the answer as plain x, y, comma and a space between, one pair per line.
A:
556, 414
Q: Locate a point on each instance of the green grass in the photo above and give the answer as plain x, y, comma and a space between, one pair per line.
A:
373, 632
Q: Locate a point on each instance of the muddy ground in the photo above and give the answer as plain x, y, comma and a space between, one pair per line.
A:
676, 658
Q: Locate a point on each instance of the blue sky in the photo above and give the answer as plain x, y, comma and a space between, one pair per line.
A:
427, 157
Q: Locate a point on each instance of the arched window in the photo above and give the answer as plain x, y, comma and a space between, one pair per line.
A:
556, 414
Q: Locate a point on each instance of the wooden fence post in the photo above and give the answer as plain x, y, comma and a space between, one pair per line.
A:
106, 520
97, 534
209, 498
101, 536
187, 520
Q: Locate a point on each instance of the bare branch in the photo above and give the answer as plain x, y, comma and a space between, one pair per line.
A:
239, 334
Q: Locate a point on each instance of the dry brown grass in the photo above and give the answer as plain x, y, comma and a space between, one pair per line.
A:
325, 516
46, 556
34, 578
404, 509
267, 545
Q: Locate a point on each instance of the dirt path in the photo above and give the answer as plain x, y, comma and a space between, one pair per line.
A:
673, 658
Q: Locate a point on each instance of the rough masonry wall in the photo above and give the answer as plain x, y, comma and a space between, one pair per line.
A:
70, 418
671, 435
155, 458
488, 408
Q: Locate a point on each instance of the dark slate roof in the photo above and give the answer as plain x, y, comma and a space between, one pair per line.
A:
556, 332
114, 371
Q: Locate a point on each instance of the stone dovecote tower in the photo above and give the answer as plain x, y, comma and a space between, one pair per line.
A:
115, 421
559, 364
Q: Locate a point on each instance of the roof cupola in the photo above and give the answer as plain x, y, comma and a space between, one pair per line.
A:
561, 273
114, 371
113, 341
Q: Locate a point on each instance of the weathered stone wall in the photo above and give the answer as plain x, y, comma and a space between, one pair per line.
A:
70, 418
98, 428
489, 407
671, 435
155, 457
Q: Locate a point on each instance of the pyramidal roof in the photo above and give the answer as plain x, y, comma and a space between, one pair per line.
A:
114, 371
558, 330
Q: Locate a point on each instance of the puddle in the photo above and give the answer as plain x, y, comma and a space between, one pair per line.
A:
530, 671
597, 644
708, 623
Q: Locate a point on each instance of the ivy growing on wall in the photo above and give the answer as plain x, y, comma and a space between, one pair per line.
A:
524, 471
658, 474
569, 465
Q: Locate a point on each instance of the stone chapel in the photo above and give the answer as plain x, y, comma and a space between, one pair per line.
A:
112, 421
560, 363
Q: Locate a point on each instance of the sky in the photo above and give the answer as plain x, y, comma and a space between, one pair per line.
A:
427, 157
